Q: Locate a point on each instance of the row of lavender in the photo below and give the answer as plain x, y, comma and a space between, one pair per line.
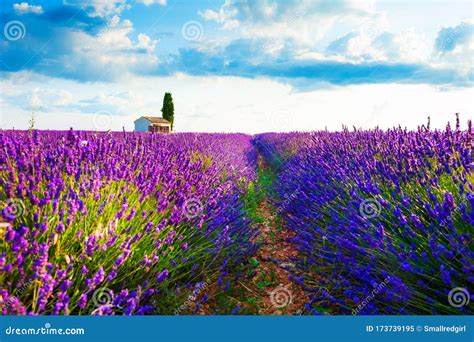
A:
383, 219
112, 223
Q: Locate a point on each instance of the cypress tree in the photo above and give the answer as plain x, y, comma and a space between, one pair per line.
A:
168, 108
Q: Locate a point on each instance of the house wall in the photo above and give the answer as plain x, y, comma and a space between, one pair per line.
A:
161, 128
168, 126
141, 125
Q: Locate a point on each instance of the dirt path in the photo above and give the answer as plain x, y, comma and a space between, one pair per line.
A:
267, 290
275, 256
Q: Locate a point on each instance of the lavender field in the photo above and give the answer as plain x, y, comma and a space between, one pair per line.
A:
351, 222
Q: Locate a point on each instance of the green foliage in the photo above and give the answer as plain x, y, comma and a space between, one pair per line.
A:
168, 109
32, 121
251, 199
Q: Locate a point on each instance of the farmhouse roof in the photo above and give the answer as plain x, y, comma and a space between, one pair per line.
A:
156, 120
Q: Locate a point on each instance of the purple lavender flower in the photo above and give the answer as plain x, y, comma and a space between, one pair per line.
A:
162, 276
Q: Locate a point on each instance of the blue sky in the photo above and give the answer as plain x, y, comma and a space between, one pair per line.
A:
235, 65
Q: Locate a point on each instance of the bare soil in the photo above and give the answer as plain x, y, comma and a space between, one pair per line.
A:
267, 290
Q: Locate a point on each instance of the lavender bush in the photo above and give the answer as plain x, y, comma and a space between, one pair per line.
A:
131, 223
112, 223
383, 219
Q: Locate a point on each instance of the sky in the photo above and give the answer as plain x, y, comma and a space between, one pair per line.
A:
236, 65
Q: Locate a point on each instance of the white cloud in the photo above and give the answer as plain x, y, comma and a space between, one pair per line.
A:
118, 103
24, 7
49, 99
210, 15
305, 29
101, 8
109, 7
407, 46
454, 47
259, 106
35, 102
39, 97
151, 2
304, 21
114, 21
111, 53
145, 42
